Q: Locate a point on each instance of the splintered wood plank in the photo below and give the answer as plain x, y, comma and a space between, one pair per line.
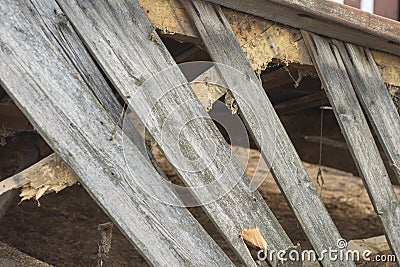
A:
333, 74
374, 98
125, 45
57, 100
265, 126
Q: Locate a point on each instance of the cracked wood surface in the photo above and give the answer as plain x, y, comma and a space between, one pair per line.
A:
329, 60
265, 126
39, 76
129, 52
375, 100
262, 40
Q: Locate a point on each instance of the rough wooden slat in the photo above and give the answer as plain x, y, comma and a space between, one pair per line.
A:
265, 126
58, 102
375, 99
60, 32
11, 257
129, 52
327, 18
287, 44
336, 81
302, 103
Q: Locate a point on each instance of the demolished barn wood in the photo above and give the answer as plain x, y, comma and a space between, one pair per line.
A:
78, 69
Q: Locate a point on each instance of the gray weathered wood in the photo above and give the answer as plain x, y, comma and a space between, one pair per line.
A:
58, 102
328, 18
302, 103
265, 126
129, 51
374, 98
57, 28
336, 81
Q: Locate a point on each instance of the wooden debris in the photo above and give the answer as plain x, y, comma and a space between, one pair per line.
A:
327, 18
168, 98
154, 37
33, 146
11, 257
105, 231
49, 175
208, 87
262, 40
254, 237
119, 178
389, 67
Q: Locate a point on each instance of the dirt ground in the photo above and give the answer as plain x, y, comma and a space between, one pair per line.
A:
62, 231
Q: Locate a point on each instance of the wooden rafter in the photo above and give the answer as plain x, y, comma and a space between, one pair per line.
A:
130, 52
53, 94
327, 18
261, 39
329, 57
265, 126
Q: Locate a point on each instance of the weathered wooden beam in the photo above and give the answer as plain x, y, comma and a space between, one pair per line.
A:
11, 257
57, 100
333, 74
327, 18
374, 98
260, 41
130, 53
265, 126
301, 103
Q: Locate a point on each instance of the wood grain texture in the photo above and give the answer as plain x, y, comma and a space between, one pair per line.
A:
302, 103
59, 31
374, 98
326, 18
336, 81
57, 100
265, 126
254, 38
130, 52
